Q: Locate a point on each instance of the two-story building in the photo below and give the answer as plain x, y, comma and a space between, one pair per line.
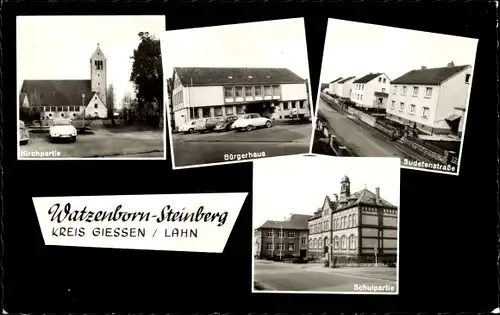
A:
345, 87
276, 93
333, 87
433, 100
371, 91
354, 227
283, 239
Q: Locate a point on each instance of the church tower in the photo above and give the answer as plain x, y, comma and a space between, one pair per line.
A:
345, 187
98, 76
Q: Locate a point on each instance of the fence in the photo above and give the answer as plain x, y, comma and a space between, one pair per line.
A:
329, 139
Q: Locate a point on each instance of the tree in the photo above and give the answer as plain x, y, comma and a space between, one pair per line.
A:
147, 74
110, 103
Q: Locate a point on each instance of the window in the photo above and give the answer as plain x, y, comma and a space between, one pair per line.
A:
342, 242
403, 91
428, 92
281, 246
349, 221
96, 105
394, 89
228, 92
425, 112
341, 223
311, 244
351, 242
353, 220
345, 222
413, 108
217, 111
258, 90
467, 78
59, 108
393, 104
415, 91
238, 91
379, 80
362, 87
336, 243
269, 246
401, 106
276, 90
229, 110
384, 80
291, 234
280, 233
383, 90
248, 91
270, 233
206, 112
361, 97
320, 243
268, 90
291, 246
303, 240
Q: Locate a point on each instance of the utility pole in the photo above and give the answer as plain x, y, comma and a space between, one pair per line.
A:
83, 105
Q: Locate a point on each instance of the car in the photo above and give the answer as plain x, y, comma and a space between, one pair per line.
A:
211, 123
251, 121
225, 122
196, 125
62, 129
23, 133
188, 127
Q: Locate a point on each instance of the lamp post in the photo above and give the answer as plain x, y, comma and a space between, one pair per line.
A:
83, 105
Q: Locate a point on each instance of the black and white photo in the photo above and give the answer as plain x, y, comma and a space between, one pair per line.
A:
236, 92
90, 87
390, 92
330, 226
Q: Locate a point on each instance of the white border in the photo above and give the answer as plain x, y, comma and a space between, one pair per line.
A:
252, 288
462, 139
313, 116
19, 158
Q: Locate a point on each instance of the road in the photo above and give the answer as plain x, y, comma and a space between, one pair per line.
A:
277, 276
99, 143
199, 149
363, 141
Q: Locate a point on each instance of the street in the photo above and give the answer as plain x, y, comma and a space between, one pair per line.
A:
98, 143
363, 141
216, 147
277, 276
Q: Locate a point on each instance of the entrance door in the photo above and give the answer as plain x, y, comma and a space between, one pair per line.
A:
303, 253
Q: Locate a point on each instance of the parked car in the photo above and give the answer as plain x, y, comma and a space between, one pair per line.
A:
225, 122
188, 127
251, 121
62, 129
23, 133
212, 123
196, 125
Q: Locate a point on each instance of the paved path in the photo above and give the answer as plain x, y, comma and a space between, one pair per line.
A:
199, 149
302, 277
363, 141
99, 144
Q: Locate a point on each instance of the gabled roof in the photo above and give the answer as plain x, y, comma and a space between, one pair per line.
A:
98, 54
433, 76
21, 98
57, 92
295, 222
367, 198
346, 79
238, 76
367, 78
336, 80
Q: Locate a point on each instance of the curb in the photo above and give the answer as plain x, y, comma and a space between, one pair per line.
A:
332, 270
120, 154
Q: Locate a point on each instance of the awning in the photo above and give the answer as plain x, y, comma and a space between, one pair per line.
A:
453, 117
382, 94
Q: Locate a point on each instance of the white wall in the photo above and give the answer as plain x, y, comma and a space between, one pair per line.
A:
181, 116
290, 92
338, 89
101, 111
454, 93
372, 87
199, 96
347, 87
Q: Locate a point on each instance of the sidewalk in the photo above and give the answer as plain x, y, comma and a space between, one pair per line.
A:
379, 273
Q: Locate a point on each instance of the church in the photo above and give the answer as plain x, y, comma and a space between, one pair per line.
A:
69, 98
358, 227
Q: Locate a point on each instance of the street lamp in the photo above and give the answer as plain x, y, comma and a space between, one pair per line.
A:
83, 105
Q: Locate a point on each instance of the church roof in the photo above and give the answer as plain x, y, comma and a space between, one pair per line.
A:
98, 53
57, 92
222, 76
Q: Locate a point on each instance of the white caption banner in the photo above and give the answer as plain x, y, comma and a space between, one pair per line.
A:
180, 222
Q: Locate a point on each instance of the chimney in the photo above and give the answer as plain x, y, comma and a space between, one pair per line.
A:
377, 194
335, 197
451, 64
424, 68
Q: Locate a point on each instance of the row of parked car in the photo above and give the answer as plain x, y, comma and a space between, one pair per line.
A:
226, 123
61, 129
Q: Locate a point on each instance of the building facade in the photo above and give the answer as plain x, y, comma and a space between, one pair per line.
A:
69, 98
276, 93
359, 227
345, 87
282, 239
433, 100
371, 91
333, 86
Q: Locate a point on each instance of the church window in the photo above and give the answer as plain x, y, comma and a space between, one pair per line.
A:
96, 105
62, 114
50, 115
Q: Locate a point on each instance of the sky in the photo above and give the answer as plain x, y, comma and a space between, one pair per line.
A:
299, 184
60, 47
282, 43
356, 49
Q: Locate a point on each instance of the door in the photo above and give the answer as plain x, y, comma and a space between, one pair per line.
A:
303, 253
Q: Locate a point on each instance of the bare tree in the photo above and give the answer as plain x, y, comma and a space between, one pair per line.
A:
110, 103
